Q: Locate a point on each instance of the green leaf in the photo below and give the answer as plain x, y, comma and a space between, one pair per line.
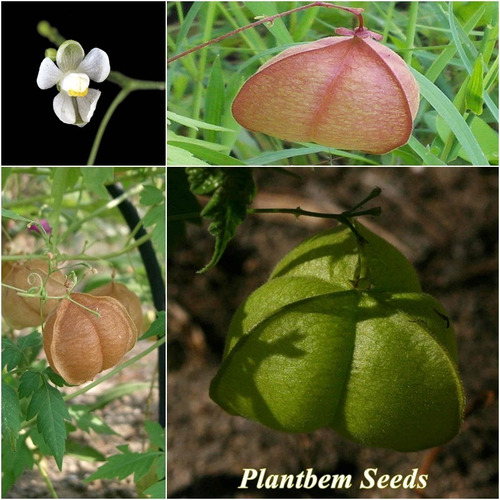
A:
214, 101
232, 190
21, 353
30, 382
277, 27
206, 153
179, 156
179, 140
438, 100
195, 124
11, 354
156, 217
424, 153
83, 452
156, 434
309, 148
121, 466
156, 490
11, 415
94, 179
157, 328
14, 463
10, 214
50, 409
151, 195
485, 135
85, 419
474, 92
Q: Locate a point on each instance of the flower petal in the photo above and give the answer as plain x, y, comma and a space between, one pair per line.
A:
69, 55
75, 84
64, 108
48, 74
96, 65
87, 105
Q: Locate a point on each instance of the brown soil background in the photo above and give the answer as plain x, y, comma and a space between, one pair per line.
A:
445, 220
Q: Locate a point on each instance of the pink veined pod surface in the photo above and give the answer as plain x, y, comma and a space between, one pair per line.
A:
345, 92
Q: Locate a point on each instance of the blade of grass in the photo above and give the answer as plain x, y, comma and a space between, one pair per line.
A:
438, 100
214, 99
208, 155
424, 153
278, 28
462, 41
438, 66
275, 156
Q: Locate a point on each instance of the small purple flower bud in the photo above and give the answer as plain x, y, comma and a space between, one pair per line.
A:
44, 223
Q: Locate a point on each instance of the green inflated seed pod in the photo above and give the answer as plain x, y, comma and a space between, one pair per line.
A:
342, 336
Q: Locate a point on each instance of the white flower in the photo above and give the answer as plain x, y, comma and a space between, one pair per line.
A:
75, 103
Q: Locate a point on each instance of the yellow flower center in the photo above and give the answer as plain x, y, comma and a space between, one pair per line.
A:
76, 93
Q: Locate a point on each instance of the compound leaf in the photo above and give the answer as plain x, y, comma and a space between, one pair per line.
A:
49, 407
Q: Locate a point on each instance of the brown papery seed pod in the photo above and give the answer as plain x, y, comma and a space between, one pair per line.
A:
345, 92
21, 312
79, 345
126, 297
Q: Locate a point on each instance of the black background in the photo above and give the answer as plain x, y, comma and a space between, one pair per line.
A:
132, 34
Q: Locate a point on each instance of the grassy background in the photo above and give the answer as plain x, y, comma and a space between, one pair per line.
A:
452, 53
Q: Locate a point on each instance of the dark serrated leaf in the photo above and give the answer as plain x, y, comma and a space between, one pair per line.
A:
11, 415
232, 190
30, 382
30, 346
50, 409
11, 354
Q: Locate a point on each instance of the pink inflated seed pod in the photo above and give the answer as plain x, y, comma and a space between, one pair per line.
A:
346, 92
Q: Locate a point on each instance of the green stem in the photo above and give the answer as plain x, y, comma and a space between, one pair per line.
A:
59, 184
104, 123
343, 218
117, 369
110, 255
109, 205
128, 85
45, 477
